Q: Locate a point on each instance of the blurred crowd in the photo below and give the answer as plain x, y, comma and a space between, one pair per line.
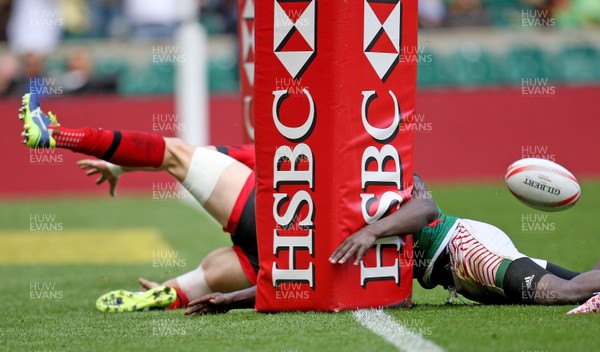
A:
551, 13
131, 19
33, 29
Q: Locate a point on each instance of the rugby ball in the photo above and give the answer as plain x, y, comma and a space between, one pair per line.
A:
542, 184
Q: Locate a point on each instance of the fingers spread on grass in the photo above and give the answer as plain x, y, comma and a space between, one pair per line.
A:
199, 308
192, 310
200, 300
214, 303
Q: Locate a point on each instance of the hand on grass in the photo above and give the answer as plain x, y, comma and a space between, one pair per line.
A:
214, 303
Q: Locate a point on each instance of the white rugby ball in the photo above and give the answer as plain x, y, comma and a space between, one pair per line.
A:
542, 184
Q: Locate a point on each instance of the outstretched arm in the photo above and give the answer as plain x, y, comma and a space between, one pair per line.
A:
411, 217
217, 302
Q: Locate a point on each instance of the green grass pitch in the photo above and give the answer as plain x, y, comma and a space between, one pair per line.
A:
69, 321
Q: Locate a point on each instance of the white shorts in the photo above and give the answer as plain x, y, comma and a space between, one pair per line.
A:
479, 256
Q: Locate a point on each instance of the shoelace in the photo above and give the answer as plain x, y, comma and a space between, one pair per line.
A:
454, 295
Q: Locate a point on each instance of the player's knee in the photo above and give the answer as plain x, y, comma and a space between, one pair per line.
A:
212, 266
216, 276
223, 272
213, 278
215, 257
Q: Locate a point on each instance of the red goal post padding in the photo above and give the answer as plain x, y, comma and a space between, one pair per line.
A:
332, 94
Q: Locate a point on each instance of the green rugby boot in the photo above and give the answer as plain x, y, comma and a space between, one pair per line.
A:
121, 301
37, 126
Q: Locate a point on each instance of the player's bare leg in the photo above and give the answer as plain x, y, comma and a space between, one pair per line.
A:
584, 287
576, 290
214, 179
221, 270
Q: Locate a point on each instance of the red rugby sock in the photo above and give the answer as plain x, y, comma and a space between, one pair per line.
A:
181, 301
133, 149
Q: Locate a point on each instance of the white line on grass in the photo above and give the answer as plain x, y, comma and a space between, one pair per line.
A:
395, 333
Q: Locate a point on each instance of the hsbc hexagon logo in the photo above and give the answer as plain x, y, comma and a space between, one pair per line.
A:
294, 36
382, 27
248, 40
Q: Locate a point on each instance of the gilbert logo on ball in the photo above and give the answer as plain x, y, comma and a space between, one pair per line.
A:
542, 184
